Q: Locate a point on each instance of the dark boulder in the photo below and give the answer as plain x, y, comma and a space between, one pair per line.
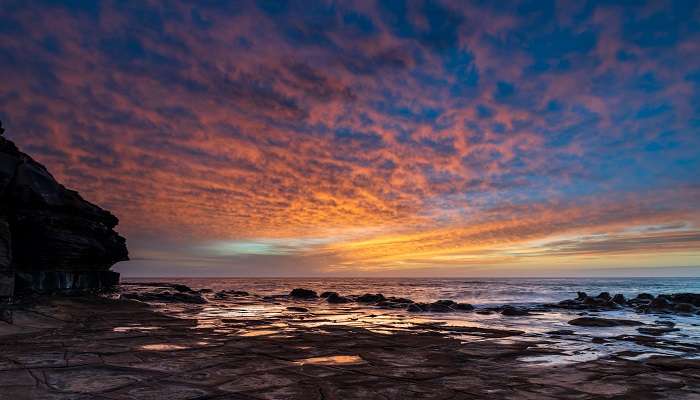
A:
581, 295
437, 307
298, 309
605, 296
619, 299
51, 239
656, 331
305, 294
326, 294
335, 298
463, 307
684, 308
561, 332
510, 311
414, 308
399, 300
660, 303
690, 298
645, 296
603, 322
371, 298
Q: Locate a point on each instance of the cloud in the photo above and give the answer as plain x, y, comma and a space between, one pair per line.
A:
428, 130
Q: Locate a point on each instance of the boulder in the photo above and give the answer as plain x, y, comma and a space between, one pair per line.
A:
437, 307
335, 298
298, 309
326, 294
300, 293
619, 299
399, 300
510, 311
645, 296
684, 308
660, 303
51, 239
605, 296
463, 307
603, 322
371, 298
561, 332
690, 298
656, 331
414, 308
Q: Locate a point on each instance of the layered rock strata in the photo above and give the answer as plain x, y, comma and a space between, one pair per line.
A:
51, 239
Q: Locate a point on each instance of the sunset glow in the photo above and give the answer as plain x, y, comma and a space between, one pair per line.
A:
427, 138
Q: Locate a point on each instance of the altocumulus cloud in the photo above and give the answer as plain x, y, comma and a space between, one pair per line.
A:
372, 135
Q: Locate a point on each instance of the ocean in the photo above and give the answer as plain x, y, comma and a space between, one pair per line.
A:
482, 291
268, 305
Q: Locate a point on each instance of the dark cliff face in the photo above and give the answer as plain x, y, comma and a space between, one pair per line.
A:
50, 237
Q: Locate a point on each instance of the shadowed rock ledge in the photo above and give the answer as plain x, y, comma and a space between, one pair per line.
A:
51, 239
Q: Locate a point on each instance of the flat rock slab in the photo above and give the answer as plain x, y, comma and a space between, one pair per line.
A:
110, 349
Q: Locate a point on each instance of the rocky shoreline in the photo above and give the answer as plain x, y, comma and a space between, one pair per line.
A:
157, 340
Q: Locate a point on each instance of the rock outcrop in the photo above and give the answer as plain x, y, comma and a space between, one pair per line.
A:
679, 303
50, 237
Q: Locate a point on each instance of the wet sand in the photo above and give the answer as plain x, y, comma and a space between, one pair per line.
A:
102, 348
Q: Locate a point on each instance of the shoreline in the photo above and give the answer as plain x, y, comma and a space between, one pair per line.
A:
109, 348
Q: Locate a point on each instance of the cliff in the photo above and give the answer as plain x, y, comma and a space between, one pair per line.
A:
51, 239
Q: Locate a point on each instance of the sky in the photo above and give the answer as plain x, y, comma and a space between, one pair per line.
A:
369, 138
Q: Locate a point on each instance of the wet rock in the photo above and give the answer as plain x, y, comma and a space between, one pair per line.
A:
326, 294
581, 296
371, 298
220, 295
561, 332
670, 324
690, 298
605, 296
510, 311
225, 294
300, 293
388, 304
598, 340
603, 322
399, 300
463, 307
660, 303
645, 296
619, 299
684, 308
673, 363
298, 309
445, 302
437, 307
414, 308
182, 288
656, 331
166, 297
335, 298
